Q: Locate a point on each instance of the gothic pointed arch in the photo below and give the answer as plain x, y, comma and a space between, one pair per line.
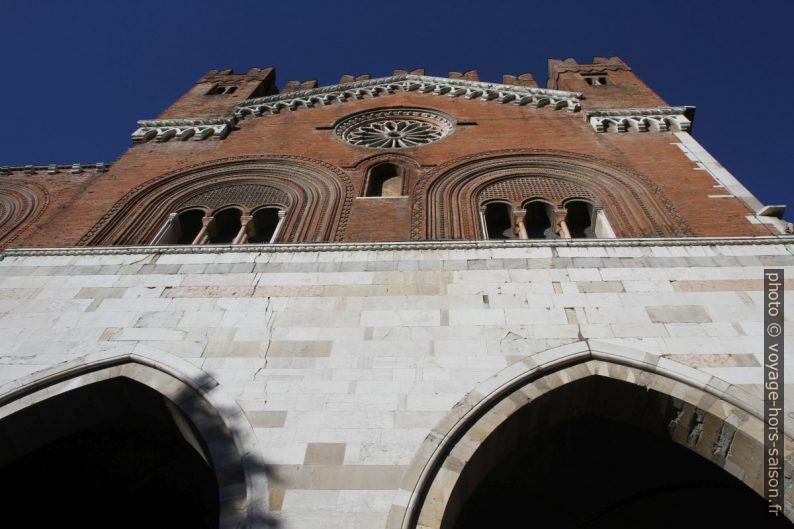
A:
317, 197
42, 410
20, 205
716, 425
447, 202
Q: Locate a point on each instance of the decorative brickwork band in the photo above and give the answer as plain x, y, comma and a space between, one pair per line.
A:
520, 189
249, 196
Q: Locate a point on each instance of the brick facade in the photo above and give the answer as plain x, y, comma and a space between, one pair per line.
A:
646, 174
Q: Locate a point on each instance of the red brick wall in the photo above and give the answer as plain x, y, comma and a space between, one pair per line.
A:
78, 202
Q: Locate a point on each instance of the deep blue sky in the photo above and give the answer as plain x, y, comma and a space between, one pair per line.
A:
78, 74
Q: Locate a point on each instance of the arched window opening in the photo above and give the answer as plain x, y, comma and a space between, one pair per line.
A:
111, 454
189, 224
538, 220
226, 226
385, 180
498, 218
266, 222
579, 219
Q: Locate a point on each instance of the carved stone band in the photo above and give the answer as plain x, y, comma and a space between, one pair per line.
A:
660, 119
183, 129
436, 86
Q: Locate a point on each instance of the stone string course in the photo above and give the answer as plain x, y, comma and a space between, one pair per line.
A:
344, 361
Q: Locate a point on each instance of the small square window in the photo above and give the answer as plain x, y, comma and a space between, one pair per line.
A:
221, 89
595, 79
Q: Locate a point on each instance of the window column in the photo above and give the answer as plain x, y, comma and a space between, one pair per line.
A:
282, 213
246, 230
519, 225
204, 235
560, 226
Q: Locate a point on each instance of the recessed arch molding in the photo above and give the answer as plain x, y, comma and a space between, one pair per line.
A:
318, 198
20, 205
446, 203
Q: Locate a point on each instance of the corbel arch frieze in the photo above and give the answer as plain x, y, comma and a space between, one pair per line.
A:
21, 204
319, 198
446, 205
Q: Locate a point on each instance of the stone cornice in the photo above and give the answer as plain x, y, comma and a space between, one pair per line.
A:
404, 246
53, 168
659, 119
217, 127
501, 93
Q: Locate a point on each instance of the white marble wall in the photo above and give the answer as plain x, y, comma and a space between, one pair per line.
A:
343, 361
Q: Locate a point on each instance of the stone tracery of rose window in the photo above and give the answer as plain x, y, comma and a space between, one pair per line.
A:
395, 128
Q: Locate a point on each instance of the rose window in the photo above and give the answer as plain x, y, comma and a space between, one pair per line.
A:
395, 128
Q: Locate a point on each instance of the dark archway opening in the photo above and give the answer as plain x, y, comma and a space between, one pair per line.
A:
190, 225
595, 473
578, 219
499, 221
226, 226
554, 464
538, 221
385, 180
265, 223
111, 454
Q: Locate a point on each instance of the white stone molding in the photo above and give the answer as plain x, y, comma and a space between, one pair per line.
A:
437, 86
168, 227
183, 129
53, 168
282, 214
778, 240
657, 119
